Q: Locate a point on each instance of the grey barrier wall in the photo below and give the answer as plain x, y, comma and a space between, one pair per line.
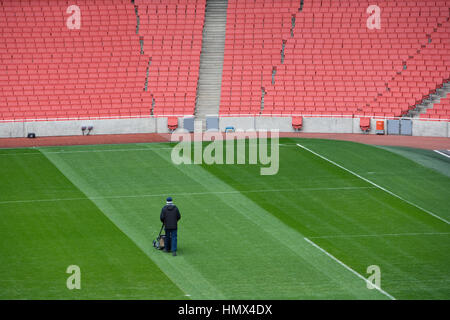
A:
431, 128
239, 123
12, 129
73, 127
283, 124
333, 125
159, 125
328, 125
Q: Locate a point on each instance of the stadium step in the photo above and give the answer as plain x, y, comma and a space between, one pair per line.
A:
430, 101
211, 60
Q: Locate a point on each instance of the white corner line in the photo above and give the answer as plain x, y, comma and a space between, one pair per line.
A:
350, 269
374, 184
441, 153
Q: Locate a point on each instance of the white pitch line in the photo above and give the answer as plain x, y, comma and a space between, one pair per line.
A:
441, 153
350, 269
183, 194
374, 184
381, 235
83, 151
100, 150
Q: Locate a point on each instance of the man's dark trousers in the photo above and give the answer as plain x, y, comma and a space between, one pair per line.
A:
171, 239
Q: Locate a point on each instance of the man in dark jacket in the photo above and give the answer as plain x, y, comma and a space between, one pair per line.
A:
170, 216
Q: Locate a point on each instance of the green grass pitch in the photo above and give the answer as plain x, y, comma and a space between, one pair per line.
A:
309, 232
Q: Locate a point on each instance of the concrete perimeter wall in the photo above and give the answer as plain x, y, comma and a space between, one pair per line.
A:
73, 127
329, 125
431, 128
159, 125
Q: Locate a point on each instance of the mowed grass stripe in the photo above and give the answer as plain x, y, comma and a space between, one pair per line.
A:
425, 256
374, 184
197, 286
229, 246
358, 212
425, 158
419, 176
40, 240
350, 269
420, 260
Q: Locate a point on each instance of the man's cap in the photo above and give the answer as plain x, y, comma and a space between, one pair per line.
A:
169, 199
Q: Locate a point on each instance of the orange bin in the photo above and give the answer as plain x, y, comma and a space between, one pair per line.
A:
380, 125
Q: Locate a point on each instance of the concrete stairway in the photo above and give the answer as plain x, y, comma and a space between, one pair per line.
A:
430, 101
211, 60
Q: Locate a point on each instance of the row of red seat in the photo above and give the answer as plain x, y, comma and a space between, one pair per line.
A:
385, 70
155, 39
47, 70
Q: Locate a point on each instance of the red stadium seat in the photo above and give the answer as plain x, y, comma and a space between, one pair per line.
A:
99, 60
297, 123
364, 124
172, 123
